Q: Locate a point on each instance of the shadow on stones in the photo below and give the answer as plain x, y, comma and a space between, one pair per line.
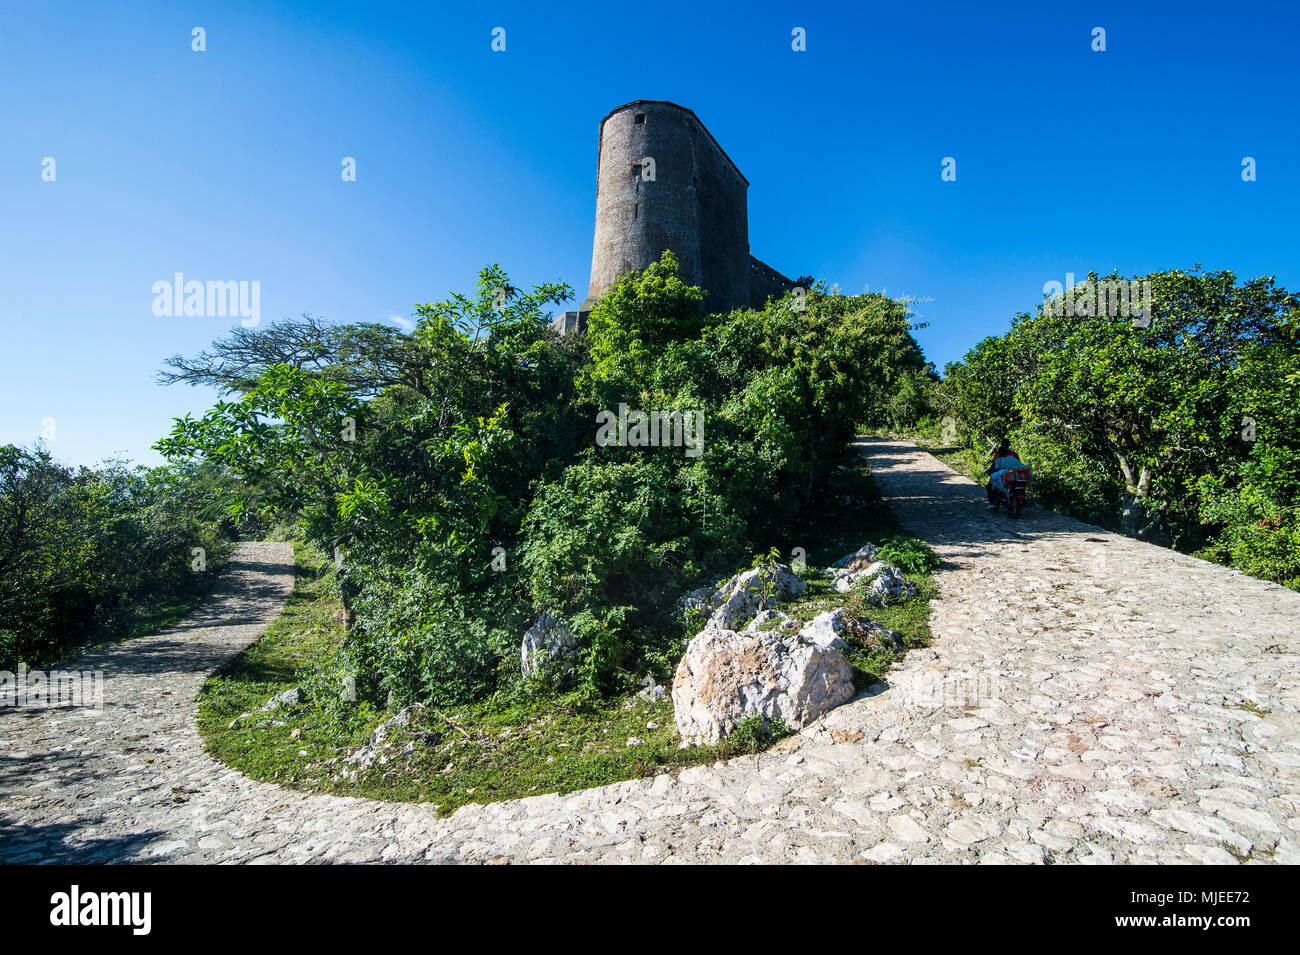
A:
249, 595
68, 769
22, 844
948, 510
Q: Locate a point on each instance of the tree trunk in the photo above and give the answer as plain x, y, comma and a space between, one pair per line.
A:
1137, 489
349, 615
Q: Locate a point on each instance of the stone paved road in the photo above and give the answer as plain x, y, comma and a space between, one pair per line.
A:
1087, 698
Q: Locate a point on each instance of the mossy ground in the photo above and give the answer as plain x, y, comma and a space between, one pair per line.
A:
510, 746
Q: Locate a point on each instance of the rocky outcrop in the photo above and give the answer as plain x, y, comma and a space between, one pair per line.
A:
771, 620
864, 556
727, 676
290, 697
888, 586
834, 627
885, 583
548, 648
849, 569
776, 667
734, 602
697, 600
826, 628
287, 700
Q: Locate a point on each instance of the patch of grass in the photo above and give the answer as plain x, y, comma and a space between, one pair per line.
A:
509, 747
486, 753
310, 625
1251, 707
756, 733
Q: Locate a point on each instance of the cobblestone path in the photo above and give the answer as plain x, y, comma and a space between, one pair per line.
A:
1087, 698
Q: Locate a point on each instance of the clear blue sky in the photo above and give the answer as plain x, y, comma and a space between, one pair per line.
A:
225, 164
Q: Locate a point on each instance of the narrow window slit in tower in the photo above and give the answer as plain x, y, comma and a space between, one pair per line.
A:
639, 119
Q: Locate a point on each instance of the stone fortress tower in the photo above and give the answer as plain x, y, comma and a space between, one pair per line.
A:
663, 182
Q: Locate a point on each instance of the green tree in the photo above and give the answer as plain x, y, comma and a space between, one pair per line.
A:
1153, 408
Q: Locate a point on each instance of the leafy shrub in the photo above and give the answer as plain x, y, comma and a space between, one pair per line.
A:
1258, 535
756, 733
610, 547
909, 554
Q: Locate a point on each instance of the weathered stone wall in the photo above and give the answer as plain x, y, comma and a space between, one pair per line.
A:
570, 323
722, 203
696, 204
765, 282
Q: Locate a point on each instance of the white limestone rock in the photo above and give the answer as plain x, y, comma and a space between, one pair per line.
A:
549, 645
832, 629
738, 599
869, 631
862, 557
290, 697
889, 586
700, 600
771, 620
845, 579
376, 748
825, 629
885, 583
727, 676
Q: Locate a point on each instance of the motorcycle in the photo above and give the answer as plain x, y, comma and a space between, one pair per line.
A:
1014, 492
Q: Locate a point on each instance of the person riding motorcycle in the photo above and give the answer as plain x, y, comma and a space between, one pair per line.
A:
1004, 459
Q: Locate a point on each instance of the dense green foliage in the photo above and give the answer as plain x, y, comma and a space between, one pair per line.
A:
456, 475
90, 554
1184, 432
414, 487
517, 742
